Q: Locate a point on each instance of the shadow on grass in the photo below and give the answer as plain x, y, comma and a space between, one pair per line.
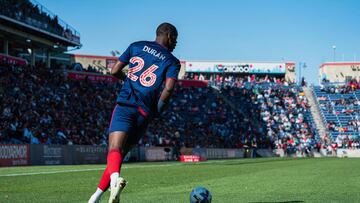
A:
295, 201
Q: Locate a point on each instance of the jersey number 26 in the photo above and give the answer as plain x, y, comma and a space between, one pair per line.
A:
148, 77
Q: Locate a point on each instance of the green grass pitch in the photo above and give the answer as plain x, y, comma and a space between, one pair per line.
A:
242, 180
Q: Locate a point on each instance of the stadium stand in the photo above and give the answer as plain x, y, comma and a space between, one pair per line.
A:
282, 111
203, 119
234, 80
43, 106
37, 109
340, 106
34, 14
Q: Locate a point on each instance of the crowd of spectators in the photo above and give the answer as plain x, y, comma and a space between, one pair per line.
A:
235, 80
347, 142
96, 69
283, 112
37, 16
199, 117
347, 107
349, 87
40, 105
340, 106
90, 69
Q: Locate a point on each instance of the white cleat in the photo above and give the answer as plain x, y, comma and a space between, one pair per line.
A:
115, 191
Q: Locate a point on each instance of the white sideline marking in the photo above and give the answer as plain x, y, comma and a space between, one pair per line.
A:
52, 172
98, 169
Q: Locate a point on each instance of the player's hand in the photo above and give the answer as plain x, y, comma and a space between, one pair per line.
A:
120, 70
123, 73
161, 106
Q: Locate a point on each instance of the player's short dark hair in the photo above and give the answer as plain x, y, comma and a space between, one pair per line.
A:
165, 29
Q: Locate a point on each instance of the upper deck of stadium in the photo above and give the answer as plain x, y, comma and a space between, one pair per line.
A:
28, 29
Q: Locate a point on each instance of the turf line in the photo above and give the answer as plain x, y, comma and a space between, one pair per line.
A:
98, 169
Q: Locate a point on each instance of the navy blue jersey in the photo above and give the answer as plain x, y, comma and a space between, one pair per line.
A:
150, 64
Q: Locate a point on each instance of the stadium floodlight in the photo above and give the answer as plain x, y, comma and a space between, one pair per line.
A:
334, 48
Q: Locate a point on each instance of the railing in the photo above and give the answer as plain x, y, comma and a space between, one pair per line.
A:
75, 34
36, 15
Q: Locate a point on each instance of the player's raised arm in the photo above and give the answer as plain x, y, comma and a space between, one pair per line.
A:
123, 61
116, 71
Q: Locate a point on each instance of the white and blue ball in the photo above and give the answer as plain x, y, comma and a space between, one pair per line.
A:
200, 195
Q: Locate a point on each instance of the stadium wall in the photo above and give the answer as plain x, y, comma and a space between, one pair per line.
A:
101, 63
348, 153
182, 70
341, 72
94, 77
290, 72
22, 155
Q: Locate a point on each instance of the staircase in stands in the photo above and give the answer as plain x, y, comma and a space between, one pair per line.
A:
315, 111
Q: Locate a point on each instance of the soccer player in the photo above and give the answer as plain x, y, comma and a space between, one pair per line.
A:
150, 65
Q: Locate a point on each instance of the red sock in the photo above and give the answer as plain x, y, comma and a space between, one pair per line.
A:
114, 160
104, 181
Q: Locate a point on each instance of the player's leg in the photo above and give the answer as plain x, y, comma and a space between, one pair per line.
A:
119, 124
119, 182
102, 187
104, 183
117, 142
136, 131
111, 173
126, 122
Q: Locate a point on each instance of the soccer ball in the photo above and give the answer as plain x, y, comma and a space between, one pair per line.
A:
200, 195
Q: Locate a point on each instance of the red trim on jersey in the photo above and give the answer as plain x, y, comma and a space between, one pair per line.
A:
142, 112
112, 116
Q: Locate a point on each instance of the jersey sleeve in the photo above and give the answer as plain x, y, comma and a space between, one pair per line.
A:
173, 70
125, 57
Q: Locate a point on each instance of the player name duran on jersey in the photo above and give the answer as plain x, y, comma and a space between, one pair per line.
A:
154, 52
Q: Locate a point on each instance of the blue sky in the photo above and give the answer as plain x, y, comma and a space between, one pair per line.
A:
251, 30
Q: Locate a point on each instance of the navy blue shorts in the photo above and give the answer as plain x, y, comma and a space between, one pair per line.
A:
129, 119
